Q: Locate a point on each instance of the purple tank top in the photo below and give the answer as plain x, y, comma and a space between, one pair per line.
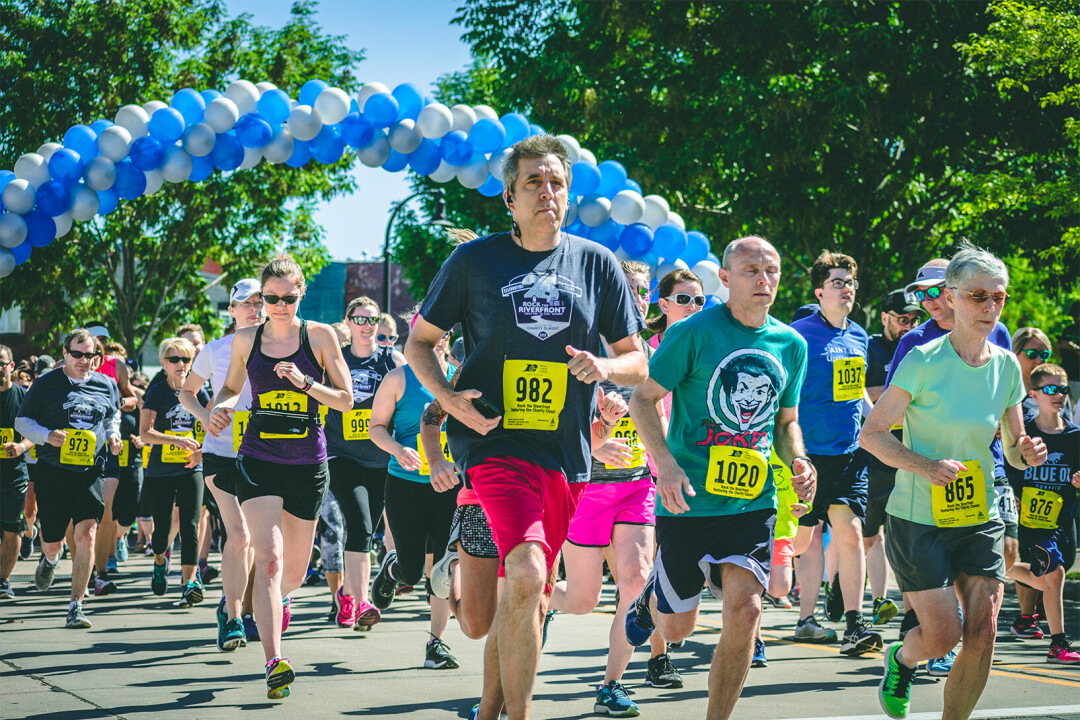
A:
270, 392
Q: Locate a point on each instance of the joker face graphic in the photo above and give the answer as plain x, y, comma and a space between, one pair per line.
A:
745, 389
751, 395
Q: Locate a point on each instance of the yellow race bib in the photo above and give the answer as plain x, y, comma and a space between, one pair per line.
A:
625, 429
172, 453
425, 469
534, 394
32, 455
355, 424
284, 400
739, 473
849, 379
1039, 509
963, 501
200, 431
239, 426
125, 453
146, 456
7, 435
79, 448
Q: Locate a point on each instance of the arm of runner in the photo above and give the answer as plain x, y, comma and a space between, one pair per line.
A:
382, 412
443, 473
672, 484
611, 408
150, 436
627, 366
789, 446
192, 384
338, 395
877, 439
128, 401
37, 433
225, 400
1021, 450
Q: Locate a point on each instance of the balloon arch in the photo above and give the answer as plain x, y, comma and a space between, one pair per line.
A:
196, 133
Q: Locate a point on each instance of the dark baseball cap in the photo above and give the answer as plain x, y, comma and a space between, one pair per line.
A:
900, 303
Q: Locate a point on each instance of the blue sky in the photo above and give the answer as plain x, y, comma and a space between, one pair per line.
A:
403, 41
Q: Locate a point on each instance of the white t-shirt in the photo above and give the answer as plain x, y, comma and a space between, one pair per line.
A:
213, 364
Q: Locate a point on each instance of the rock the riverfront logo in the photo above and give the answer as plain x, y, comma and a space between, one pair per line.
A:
543, 304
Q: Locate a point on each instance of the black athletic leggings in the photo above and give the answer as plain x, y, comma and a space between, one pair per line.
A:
359, 493
125, 504
186, 491
418, 516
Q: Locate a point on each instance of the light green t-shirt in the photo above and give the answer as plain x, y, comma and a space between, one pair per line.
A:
727, 383
954, 414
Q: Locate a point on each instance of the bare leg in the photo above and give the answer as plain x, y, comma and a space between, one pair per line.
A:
9, 553
474, 596
850, 557
105, 537
518, 620
579, 593
235, 554
357, 574
731, 661
982, 601
83, 558
877, 565
631, 545
809, 566
939, 626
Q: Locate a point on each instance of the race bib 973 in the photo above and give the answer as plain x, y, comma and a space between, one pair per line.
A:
739, 473
963, 501
534, 394
79, 448
849, 378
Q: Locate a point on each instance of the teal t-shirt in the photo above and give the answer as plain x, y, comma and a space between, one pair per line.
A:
954, 413
727, 383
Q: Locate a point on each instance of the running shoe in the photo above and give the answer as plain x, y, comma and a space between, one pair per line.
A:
168, 559
940, 667
677, 645
384, 585
222, 618
662, 674
611, 699
192, 594
759, 654
438, 657
367, 615
6, 593
208, 574
110, 565
548, 617
286, 613
44, 573
104, 586
909, 622
894, 692
159, 580
1062, 653
332, 616
884, 610
809, 630
26, 545
639, 623
834, 600
778, 602
251, 630
1026, 627
76, 618
861, 640
795, 595
346, 615
441, 577
121, 550
235, 636
279, 675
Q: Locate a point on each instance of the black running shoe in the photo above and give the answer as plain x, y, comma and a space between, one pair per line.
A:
834, 600
861, 640
384, 585
909, 622
438, 657
662, 674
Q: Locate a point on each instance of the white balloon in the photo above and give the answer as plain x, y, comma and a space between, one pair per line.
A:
100, 173
369, 89
154, 180
280, 148
19, 196
722, 292
435, 120
245, 95
177, 165
32, 167
12, 228
495, 164
85, 203
264, 87
444, 173
627, 207
221, 114
304, 122
594, 210
473, 174
114, 142
571, 212
63, 224
656, 211
709, 272
464, 118
586, 156
48, 149
572, 146
7, 262
621, 255
133, 119
199, 139
332, 105
674, 218
377, 153
153, 106
665, 267
405, 136
252, 156
485, 111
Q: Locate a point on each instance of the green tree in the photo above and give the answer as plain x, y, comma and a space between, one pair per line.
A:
71, 62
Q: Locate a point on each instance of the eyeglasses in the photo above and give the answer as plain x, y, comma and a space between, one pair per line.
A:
79, 354
903, 320
178, 359
980, 296
274, 299
684, 299
641, 291
1054, 389
931, 292
839, 284
363, 320
1043, 355
386, 338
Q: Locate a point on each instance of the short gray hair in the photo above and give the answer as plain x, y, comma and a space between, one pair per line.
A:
535, 146
974, 262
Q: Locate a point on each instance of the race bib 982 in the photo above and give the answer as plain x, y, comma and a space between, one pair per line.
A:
534, 394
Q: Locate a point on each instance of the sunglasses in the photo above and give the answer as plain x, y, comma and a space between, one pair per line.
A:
287, 299
386, 338
641, 291
684, 299
903, 320
1054, 389
1043, 355
980, 296
79, 354
363, 320
839, 284
178, 359
933, 293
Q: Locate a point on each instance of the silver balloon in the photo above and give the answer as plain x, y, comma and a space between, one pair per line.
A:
332, 104
405, 136
435, 120
252, 156
85, 203
265, 86
199, 139
177, 164
153, 106
594, 210
572, 146
12, 230
100, 173
369, 89
304, 123
473, 174
221, 114
19, 196
46, 151
444, 173
114, 142
63, 224
245, 95
495, 164
377, 153
7, 262
133, 119
464, 118
154, 180
280, 148
32, 167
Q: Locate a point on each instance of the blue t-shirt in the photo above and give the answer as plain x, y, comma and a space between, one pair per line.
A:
830, 405
1053, 476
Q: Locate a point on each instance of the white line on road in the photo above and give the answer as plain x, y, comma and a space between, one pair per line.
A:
993, 714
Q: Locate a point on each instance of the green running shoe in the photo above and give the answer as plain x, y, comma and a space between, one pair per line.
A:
279, 675
894, 692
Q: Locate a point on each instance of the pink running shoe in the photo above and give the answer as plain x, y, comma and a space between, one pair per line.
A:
346, 615
366, 616
285, 614
1063, 654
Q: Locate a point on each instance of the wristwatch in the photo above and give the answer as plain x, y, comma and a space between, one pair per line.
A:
308, 382
805, 459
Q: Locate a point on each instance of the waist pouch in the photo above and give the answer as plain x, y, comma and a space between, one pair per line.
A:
280, 422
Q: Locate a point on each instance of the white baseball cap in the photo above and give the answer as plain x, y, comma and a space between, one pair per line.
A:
97, 329
244, 289
927, 277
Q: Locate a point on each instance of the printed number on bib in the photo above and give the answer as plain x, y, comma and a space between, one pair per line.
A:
239, 426
7, 435
425, 469
200, 431
125, 453
174, 454
739, 473
79, 448
1006, 504
625, 429
355, 424
534, 394
849, 379
1039, 509
963, 501
283, 400
146, 456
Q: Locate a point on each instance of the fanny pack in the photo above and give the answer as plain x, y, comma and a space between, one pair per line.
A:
282, 422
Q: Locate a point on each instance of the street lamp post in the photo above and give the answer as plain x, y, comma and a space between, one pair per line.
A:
438, 217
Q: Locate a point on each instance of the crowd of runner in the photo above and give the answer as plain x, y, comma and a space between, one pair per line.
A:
540, 430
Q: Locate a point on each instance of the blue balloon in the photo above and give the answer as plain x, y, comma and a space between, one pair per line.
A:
40, 228
53, 198
107, 201
202, 167
425, 159
612, 178
535, 129
632, 185
584, 178
275, 105
608, 234
64, 165
228, 153
517, 128
147, 153
310, 91
190, 104
636, 239
487, 135
712, 301
82, 140
98, 125
381, 109
456, 148
167, 125
492, 186
328, 146
130, 180
396, 162
697, 248
669, 241
22, 252
253, 130
300, 155
210, 95
578, 228
713, 258
7, 176
410, 101
357, 130
354, 107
